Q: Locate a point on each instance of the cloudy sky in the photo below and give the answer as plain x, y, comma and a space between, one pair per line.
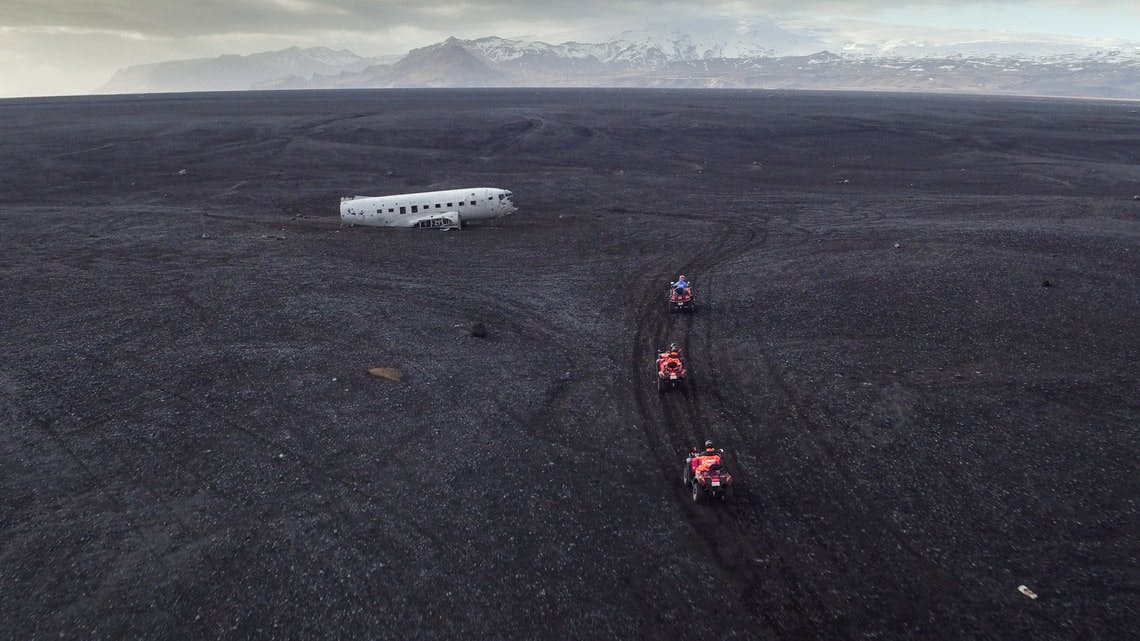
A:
54, 47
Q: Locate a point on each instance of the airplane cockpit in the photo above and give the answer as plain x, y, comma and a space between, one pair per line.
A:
507, 201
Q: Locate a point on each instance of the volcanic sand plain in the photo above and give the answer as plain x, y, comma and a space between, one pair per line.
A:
916, 339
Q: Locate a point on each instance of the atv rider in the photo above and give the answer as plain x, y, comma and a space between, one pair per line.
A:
672, 354
682, 286
701, 461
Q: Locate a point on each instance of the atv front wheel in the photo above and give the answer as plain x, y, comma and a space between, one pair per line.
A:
698, 493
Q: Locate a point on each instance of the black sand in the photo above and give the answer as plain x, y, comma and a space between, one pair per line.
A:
917, 340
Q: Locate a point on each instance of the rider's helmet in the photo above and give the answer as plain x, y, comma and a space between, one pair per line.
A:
673, 347
681, 277
709, 449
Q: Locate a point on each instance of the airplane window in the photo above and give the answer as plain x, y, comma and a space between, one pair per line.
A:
472, 202
448, 204
389, 210
437, 205
403, 210
415, 208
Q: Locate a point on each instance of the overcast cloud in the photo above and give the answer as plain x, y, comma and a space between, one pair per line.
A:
71, 46
197, 18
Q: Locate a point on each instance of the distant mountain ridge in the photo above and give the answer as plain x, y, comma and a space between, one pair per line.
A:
233, 72
671, 59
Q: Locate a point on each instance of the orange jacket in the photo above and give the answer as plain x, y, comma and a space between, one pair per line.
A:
702, 462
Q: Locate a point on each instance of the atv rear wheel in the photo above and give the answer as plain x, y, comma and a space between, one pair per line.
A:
698, 493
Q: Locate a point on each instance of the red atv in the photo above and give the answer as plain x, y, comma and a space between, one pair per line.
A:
681, 300
706, 477
670, 370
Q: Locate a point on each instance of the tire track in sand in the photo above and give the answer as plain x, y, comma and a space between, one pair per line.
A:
733, 533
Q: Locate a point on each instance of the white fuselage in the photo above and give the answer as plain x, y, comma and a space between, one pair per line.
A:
447, 209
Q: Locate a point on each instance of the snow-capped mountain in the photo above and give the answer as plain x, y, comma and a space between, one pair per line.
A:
721, 38
656, 46
760, 56
910, 48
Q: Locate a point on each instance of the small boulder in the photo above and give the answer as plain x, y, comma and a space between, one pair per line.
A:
390, 373
478, 330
